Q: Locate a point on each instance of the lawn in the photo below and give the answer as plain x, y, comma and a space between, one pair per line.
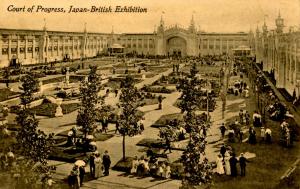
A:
150, 101
264, 171
54, 80
49, 109
155, 143
113, 84
163, 119
98, 136
66, 154
271, 161
6, 94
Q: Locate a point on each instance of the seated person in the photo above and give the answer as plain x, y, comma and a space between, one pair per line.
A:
134, 165
146, 167
160, 169
167, 171
140, 167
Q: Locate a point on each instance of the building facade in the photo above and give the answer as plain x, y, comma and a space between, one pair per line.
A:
43, 46
279, 52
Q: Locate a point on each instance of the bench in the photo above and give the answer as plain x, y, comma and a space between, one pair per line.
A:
288, 172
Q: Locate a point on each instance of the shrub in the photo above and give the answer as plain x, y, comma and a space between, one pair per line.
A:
62, 94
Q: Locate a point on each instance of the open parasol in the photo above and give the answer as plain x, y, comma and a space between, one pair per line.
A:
80, 163
90, 137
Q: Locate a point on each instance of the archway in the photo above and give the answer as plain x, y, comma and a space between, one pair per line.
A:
176, 46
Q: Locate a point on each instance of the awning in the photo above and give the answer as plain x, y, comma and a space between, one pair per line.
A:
116, 46
242, 48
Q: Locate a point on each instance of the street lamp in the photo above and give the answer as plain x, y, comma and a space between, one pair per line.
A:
298, 88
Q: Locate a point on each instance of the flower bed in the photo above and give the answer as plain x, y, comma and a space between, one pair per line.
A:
162, 121
49, 109
66, 154
54, 80
6, 94
155, 143
153, 89
97, 136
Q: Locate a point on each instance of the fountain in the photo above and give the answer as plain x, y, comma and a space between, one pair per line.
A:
58, 112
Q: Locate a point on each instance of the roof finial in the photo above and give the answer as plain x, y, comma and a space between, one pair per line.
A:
112, 29
85, 27
45, 24
161, 18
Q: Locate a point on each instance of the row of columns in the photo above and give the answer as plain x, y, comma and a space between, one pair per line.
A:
30, 41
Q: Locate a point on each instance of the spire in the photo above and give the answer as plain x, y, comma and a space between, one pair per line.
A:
257, 31
162, 21
112, 29
279, 23
45, 25
161, 27
264, 27
192, 27
192, 20
85, 27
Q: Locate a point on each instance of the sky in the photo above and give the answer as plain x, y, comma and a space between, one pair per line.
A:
209, 15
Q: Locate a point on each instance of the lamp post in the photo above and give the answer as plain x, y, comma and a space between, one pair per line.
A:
298, 88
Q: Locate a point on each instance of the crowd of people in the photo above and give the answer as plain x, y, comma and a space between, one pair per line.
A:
99, 167
227, 161
150, 167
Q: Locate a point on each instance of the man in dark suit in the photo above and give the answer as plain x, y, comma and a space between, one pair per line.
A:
81, 174
92, 165
243, 161
233, 161
106, 163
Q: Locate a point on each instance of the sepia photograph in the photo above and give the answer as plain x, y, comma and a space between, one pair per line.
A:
149, 94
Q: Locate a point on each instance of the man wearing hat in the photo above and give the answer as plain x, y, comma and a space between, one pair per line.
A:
262, 134
243, 161
92, 164
106, 163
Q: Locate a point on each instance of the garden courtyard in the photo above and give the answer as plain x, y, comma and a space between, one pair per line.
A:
157, 79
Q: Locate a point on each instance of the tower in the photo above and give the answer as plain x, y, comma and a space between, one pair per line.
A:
84, 42
265, 28
257, 32
44, 44
192, 27
161, 27
279, 24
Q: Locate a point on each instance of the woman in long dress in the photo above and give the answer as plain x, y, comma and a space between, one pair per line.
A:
220, 168
98, 166
227, 164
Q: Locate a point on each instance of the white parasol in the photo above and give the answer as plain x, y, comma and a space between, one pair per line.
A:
90, 137
93, 143
70, 133
80, 163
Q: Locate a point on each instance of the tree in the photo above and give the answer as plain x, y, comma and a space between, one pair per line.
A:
129, 102
30, 85
34, 145
87, 113
196, 166
6, 76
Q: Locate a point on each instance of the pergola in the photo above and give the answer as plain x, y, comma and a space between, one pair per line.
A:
115, 49
242, 51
